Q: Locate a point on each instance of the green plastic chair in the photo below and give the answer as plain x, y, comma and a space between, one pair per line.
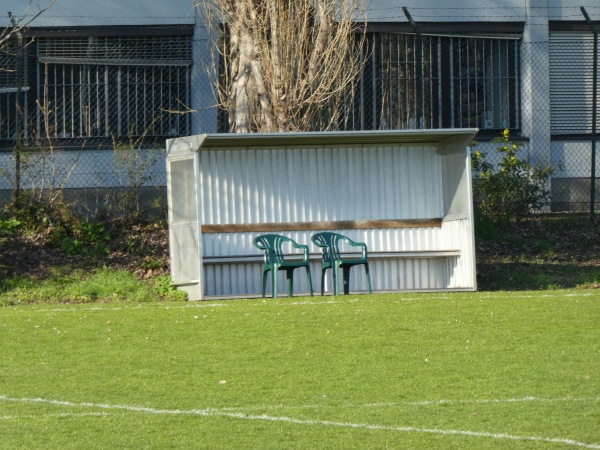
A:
275, 260
330, 246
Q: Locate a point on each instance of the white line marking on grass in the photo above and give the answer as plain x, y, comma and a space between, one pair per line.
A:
505, 400
556, 294
127, 308
308, 302
43, 416
194, 305
237, 415
416, 296
419, 403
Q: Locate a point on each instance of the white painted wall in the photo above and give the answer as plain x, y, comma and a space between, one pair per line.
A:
444, 11
479, 10
571, 9
160, 12
64, 13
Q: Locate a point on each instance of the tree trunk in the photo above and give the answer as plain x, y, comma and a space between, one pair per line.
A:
289, 65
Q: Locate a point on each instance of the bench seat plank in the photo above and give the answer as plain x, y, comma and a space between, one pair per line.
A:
254, 258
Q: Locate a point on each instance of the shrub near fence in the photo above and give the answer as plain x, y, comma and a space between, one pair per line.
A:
512, 189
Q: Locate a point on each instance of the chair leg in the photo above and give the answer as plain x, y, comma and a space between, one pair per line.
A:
264, 282
323, 281
290, 281
368, 277
274, 272
346, 271
336, 289
309, 281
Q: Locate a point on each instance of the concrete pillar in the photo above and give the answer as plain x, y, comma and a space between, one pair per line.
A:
204, 117
535, 82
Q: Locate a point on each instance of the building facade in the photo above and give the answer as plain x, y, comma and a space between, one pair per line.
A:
93, 77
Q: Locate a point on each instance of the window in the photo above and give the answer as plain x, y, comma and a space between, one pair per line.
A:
464, 82
105, 87
571, 84
111, 86
13, 86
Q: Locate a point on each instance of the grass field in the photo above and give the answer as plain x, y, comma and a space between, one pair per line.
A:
516, 370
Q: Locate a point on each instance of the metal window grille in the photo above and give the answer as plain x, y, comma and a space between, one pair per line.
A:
467, 82
11, 84
114, 86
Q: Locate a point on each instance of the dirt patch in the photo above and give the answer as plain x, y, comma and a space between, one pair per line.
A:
141, 249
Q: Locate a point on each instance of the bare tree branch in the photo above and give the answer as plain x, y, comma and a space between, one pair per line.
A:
18, 24
285, 65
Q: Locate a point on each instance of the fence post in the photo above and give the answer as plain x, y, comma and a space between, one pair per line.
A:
419, 67
594, 112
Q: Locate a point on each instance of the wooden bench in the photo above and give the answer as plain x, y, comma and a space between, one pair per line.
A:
328, 225
257, 258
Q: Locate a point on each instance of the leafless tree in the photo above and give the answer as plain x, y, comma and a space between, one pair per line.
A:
285, 65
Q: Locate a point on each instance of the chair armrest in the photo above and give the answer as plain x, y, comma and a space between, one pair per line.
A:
301, 246
357, 244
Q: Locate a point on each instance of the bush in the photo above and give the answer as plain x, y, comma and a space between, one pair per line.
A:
9, 227
512, 190
57, 224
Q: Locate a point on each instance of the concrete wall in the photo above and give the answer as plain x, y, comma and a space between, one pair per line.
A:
66, 13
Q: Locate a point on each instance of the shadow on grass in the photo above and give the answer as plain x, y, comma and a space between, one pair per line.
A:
531, 276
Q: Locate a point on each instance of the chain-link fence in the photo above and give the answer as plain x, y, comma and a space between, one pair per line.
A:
88, 116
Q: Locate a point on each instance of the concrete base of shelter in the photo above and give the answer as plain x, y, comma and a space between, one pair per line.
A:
328, 295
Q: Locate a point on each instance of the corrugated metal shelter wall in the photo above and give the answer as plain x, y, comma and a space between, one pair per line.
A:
308, 184
246, 186
458, 233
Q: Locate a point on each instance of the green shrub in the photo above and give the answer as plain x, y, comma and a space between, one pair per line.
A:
9, 227
513, 189
166, 290
57, 224
86, 237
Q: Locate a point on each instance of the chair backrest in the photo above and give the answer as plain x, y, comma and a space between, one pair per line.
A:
272, 245
329, 241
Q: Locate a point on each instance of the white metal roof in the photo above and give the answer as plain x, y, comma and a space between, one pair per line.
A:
189, 144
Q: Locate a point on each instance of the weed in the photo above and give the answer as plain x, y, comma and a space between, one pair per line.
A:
102, 285
134, 165
9, 227
486, 228
165, 289
151, 263
86, 238
58, 224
